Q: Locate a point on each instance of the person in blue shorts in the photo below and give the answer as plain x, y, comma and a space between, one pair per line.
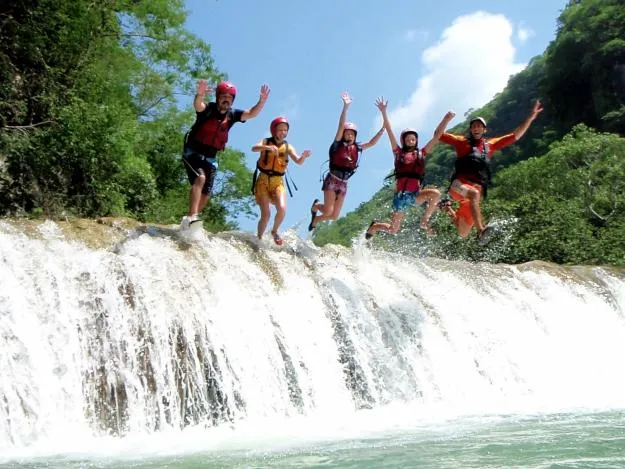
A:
409, 173
208, 137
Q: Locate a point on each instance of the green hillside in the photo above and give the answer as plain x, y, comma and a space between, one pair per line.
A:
562, 185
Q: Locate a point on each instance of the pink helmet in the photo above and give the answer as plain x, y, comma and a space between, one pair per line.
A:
406, 132
225, 87
276, 122
350, 126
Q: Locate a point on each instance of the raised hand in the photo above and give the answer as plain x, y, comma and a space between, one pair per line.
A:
305, 154
347, 99
381, 104
449, 115
202, 87
264, 93
538, 108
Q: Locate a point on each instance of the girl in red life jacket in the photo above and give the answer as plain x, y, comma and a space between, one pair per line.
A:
344, 156
409, 173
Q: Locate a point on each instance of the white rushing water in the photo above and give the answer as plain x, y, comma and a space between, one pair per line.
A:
159, 335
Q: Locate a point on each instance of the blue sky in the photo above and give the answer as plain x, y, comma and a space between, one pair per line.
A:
426, 57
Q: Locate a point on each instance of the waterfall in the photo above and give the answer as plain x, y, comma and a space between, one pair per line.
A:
157, 333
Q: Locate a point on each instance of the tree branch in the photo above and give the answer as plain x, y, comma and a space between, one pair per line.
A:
145, 110
145, 36
6, 19
26, 127
603, 218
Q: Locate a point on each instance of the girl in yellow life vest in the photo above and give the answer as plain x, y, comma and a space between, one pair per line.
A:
271, 167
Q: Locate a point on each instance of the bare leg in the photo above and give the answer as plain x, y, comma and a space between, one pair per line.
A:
431, 196
265, 213
474, 197
392, 227
280, 203
328, 207
204, 199
338, 205
196, 195
463, 227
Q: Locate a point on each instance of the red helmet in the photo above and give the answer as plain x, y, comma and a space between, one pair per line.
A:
406, 132
350, 126
225, 87
276, 122
478, 119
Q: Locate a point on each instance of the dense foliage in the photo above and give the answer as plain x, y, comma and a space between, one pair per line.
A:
89, 117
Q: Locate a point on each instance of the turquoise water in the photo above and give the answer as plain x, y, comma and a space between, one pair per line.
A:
581, 440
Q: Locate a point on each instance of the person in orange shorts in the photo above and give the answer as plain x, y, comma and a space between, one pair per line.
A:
268, 185
471, 174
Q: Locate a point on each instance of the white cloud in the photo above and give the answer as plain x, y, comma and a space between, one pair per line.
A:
523, 33
470, 63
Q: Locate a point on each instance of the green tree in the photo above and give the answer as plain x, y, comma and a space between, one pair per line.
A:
569, 203
89, 117
585, 80
231, 195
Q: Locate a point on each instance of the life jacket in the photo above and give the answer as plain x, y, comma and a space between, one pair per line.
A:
474, 166
344, 159
405, 168
213, 131
273, 165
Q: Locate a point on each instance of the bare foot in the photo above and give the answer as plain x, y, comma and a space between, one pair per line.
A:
427, 228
